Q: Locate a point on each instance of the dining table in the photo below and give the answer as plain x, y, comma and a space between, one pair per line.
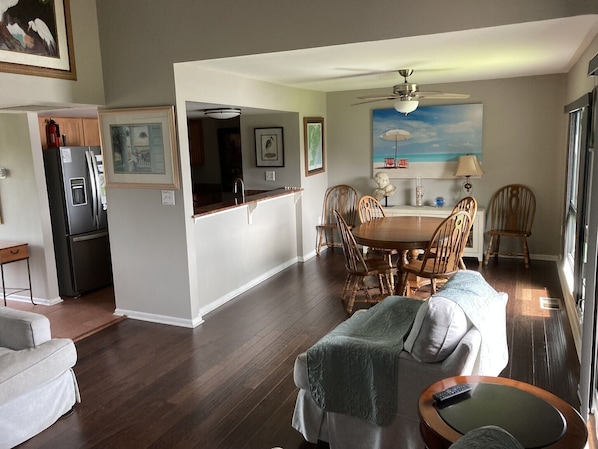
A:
406, 234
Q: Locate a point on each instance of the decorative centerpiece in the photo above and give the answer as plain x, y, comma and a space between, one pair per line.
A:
385, 188
439, 201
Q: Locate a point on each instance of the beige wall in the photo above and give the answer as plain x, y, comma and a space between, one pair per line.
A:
138, 67
578, 81
523, 142
24, 207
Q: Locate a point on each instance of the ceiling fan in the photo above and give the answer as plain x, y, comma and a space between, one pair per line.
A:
407, 95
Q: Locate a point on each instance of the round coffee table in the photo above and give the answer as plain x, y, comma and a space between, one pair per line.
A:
535, 417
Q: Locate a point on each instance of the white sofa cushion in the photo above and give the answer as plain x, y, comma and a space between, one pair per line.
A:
439, 326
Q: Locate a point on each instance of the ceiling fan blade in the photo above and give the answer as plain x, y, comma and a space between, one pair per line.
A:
374, 100
379, 97
439, 95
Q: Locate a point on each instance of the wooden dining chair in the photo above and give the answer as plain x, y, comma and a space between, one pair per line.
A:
469, 205
369, 208
360, 269
341, 198
512, 210
441, 257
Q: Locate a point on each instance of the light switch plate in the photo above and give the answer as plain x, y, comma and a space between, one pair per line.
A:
270, 175
167, 197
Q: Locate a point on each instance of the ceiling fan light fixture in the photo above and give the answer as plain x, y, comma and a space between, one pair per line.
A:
222, 113
406, 105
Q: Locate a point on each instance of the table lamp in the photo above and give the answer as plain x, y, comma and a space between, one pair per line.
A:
468, 166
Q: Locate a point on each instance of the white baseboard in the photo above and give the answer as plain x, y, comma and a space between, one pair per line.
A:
160, 319
243, 288
36, 301
183, 322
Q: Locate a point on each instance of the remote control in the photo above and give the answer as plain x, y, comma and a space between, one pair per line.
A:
451, 392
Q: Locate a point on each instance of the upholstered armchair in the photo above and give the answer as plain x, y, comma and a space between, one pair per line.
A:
37, 383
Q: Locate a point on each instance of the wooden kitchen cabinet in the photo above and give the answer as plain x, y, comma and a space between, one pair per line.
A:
91, 132
78, 131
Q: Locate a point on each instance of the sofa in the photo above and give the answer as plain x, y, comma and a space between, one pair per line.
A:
461, 330
37, 382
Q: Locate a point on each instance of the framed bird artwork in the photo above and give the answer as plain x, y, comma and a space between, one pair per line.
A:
269, 147
36, 38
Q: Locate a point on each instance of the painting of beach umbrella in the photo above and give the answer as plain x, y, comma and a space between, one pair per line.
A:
396, 135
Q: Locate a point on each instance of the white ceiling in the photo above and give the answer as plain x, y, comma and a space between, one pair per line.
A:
527, 49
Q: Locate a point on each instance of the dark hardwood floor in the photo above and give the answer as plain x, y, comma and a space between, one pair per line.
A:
228, 383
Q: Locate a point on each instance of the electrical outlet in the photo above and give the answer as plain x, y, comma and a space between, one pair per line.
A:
270, 175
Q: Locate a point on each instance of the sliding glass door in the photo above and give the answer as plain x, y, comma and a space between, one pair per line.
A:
585, 260
579, 165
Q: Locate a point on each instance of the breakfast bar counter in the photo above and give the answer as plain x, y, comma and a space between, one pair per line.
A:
251, 197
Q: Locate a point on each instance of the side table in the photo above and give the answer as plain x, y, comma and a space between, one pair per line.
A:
534, 416
14, 252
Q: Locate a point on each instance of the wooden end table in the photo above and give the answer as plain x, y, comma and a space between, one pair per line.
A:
13, 252
535, 417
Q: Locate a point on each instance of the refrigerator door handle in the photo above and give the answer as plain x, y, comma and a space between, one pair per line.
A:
83, 238
94, 188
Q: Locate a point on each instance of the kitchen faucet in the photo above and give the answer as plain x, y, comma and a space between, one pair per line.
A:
237, 180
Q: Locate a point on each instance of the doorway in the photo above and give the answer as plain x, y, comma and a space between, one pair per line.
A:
231, 157
216, 161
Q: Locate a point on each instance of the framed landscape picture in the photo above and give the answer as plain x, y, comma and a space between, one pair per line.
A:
427, 142
313, 134
139, 147
36, 38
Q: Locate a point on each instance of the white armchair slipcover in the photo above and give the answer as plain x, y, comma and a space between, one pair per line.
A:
37, 383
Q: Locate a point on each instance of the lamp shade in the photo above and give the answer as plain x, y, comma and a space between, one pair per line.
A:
222, 113
469, 166
406, 105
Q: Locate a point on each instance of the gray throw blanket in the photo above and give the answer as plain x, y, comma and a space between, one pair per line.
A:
354, 368
485, 308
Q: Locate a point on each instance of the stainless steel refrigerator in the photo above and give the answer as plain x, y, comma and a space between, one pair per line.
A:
77, 197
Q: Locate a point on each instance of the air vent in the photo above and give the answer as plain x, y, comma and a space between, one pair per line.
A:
550, 303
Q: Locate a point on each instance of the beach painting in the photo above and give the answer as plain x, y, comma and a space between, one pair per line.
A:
427, 142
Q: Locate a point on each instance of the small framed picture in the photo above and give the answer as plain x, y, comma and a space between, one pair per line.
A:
269, 147
313, 135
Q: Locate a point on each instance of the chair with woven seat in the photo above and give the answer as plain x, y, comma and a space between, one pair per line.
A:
359, 269
512, 210
469, 205
441, 257
342, 198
